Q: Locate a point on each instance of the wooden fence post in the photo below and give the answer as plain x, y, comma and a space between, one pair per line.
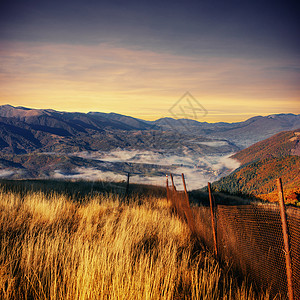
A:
188, 211
212, 219
173, 185
167, 187
127, 187
287, 253
184, 185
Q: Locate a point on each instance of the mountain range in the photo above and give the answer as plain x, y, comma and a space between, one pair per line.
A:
24, 130
242, 134
37, 143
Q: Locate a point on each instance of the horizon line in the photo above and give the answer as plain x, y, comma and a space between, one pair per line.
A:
158, 118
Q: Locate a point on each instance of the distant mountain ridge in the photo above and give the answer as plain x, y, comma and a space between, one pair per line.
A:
23, 130
243, 134
92, 120
40, 143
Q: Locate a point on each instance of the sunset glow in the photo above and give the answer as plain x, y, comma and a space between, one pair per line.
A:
144, 81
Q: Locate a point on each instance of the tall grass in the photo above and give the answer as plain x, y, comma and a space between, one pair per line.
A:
101, 248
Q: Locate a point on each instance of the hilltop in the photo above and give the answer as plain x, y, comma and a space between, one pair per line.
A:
282, 144
264, 162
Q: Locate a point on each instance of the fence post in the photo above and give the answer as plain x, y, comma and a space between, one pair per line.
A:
127, 186
287, 253
184, 186
212, 219
188, 210
173, 185
167, 187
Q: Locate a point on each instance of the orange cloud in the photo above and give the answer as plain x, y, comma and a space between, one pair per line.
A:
142, 83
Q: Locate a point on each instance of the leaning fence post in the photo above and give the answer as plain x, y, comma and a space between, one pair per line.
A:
188, 210
173, 185
167, 187
184, 185
212, 219
287, 253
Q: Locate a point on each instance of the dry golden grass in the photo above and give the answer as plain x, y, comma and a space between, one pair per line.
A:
53, 248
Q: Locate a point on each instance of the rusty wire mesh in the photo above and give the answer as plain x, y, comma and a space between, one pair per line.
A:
180, 203
250, 237
203, 225
293, 218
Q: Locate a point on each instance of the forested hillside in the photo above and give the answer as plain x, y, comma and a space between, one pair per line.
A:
281, 144
262, 164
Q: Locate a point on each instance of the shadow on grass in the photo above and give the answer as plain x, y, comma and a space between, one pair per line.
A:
201, 197
79, 190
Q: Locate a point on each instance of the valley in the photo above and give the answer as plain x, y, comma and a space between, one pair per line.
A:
95, 146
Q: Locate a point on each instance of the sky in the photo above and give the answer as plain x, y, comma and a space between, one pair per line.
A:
236, 58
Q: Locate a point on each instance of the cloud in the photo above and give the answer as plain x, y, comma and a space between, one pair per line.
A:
89, 174
198, 169
107, 77
6, 173
214, 143
209, 169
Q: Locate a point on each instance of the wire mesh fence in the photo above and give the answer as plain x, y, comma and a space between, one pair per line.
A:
293, 218
250, 237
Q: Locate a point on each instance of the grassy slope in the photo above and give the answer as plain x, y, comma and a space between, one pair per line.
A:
54, 248
80, 190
